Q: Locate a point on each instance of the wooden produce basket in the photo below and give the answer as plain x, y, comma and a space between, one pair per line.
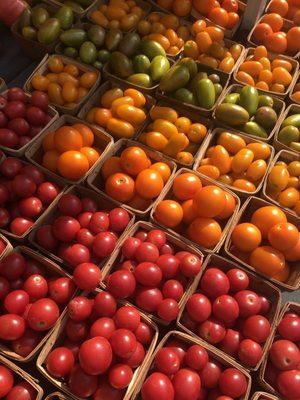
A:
102, 201
96, 182
279, 106
271, 56
21, 151
23, 376
263, 396
286, 156
35, 153
57, 337
244, 215
32, 48
167, 193
190, 340
287, 25
78, 13
292, 88
288, 307
291, 110
8, 247
116, 257
42, 69
52, 268
56, 396
94, 101
182, 113
261, 286
3, 86
61, 186
224, 80
211, 140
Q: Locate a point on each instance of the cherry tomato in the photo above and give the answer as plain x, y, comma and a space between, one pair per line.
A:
13, 266
79, 308
231, 342
120, 375
199, 307
232, 383
169, 265
104, 244
168, 310
130, 246
212, 331
87, 276
249, 302
22, 391
6, 380
61, 290
238, 279
76, 331
187, 384
121, 284
60, 362
118, 219
103, 327
70, 204
167, 361
289, 328
210, 375
43, 314
250, 352
226, 308
105, 305
146, 251
149, 299
289, 384
123, 343
46, 238
148, 274
196, 357
36, 286
172, 289
214, 283
285, 355
157, 386
82, 384
137, 357
95, 355
127, 317
143, 333
256, 328
4, 287
16, 301
190, 265
26, 343
12, 327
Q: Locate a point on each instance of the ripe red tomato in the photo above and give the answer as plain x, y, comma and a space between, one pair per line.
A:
12, 327
148, 299
99, 222
146, 251
65, 228
120, 375
196, 357
289, 384
4, 287
43, 314
250, 352
143, 333
85, 237
199, 307
249, 303
232, 383
212, 331
61, 290
172, 289
105, 305
169, 265
226, 308
30, 207
130, 246
103, 327
70, 204
36, 286
87, 276
76, 331
46, 238
285, 355
289, 328
157, 386
256, 328
157, 237
6, 380
104, 244
238, 279
106, 391
95, 355
187, 384
127, 317
60, 362
118, 219
148, 274
16, 301
121, 284
214, 283
123, 343
210, 375
137, 357
168, 310
265, 306
22, 391
79, 308
13, 266
190, 265
26, 343
231, 342
167, 361
82, 384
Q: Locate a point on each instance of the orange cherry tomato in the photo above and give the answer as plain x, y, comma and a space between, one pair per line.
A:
209, 170
276, 42
86, 134
72, 165
189, 211
91, 154
102, 116
48, 142
210, 201
266, 217
133, 160
186, 185
50, 159
206, 232
111, 166
280, 7
67, 138
293, 254
260, 33
229, 208
283, 236
267, 260
149, 183
246, 237
219, 16
274, 20
120, 187
163, 169
168, 213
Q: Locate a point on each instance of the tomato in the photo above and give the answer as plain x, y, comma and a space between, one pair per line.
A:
105, 305
226, 308
210, 201
106, 391
285, 355
205, 231
123, 343
67, 138
292, 37
232, 383
283, 236
146, 251
157, 385
196, 357
4, 287
104, 243
186, 384
13, 266
87, 276
12, 327
120, 376
214, 283
82, 384
257, 328
266, 217
127, 317
250, 352
47, 192
267, 260
6, 379
95, 355
26, 343
60, 362
168, 310
238, 279
148, 274
43, 314
169, 265
118, 219
120, 187
121, 284
149, 183
149, 299
246, 237
167, 361
79, 308
134, 160
260, 33
199, 307
212, 331
77, 160
36, 286
289, 328
16, 301
210, 375
65, 228
190, 265
143, 333
231, 342
249, 303
186, 185
168, 213
22, 391
130, 246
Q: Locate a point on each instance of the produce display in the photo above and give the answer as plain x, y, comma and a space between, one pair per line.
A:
267, 74
122, 112
184, 369
248, 111
227, 312
289, 134
181, 8
282, 184
78, 6
33, 295
175, 136
22, 117
82, 235
133, 178
188, 82
25, 195
199, 211
44, 26
156, 273
65, 83
209, 48
234, 162
69, 151
100, 347
267, 241
295, 96
282, 368
287, 9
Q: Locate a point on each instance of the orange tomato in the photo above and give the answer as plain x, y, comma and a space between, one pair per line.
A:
189, 211
72, 165
206, 232
266, 76
256, 170
244, 184
283, 236
168, 213
149, 183
219, 16
133, 160
181, 8
69, 92
274, 20
226, 179
40, 82
110, 95
156, 140
205, 6
67, 138
209, 170
296, 208
111, 166
289, 197
48, 142
163, 169
186, 185
246, 237
131, 114
282, 76
167, 4
138, 98
197, 132
183, 124
120, 187
245, 78
293, 40
260, 52
88, 79
216, 34
293, 254
280, 7
119, 102
138, 203
86, 133
91, 154
82, 92
229, 208
260, 33
276, 42
267, 260
253, 68
203, 41
266, 217
242, 160
210, 201
232, 142
184, 157
198, 26
50, 159
72, 70
283, 275
119, 128
55, 64
221, 159
55, 94
102, 116
233, 19
278, 62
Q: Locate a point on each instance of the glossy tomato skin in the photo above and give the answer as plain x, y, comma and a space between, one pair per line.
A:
36, 286
13, 266
173, 289
76, 331
43, 314
6, 380
256, 328
147, 251
26, 343
289, 384
121, 284
167, 361
61, 290
210, 375
187, 384
82, 384
103, 327
118, 219
143, 333
250, 352
130, 246
285, 355
105, 305
169, 265
127, 317
120, 376
157, 386
87, 276
79, 308
212, 331
249, 303
149, 299
214, 283
60, 362
16, 301
226, 308
232, 383
12, 327
289, 328
148, 274
123, 343
95, 355
22, 391
238, 279
106, 391
168, 310
196, 357
231, 342
199, 307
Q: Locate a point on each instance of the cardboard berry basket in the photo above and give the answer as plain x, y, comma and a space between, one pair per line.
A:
288, 307
96, 182
34, 153
94, 101
271, 56
263, 396
116, 257
58, 335
3, 86
33, 48
229, 33
224, 81
52, 268
42, 69
287, 157
20, 374
271, 292
211, 140
79, 13
56, 396
181, 113
291, 110
21, 151
190, 340
292, 88
8, 247
102, 201
279, 106
244, 215
168, 194
61, 186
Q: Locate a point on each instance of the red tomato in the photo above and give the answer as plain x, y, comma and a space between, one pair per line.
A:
146, 251
169, 265
232, 383
187, 384
120, 376
250, 352
26, 343
6, 380
199, 307
70, 204
289, 328
76, 331
82, 384
249, 302
43, 314
143, 333
13, 266
36, 286
148, 274
168, 310
190, 265
157, 386
167, 361
16, 301
127, 317
231, 342
285, 355
210, 375
105, 305
95, 355
60, 362
61, 290
238, 279
12, 327
289, 384
123, 343
256, 328
87, 276
226, 308
79, 308
121, 284
103, 327
172, 289
196, 357
22, 391
212, 331
214, 283
148, 299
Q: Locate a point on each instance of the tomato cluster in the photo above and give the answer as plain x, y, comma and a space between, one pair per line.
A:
32, 297
101, 346
25, 194
187, 371
82, 235
223, 13
198, 211
227, 313
153, 274
282, 370
22, 117
267, 241
13, 388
